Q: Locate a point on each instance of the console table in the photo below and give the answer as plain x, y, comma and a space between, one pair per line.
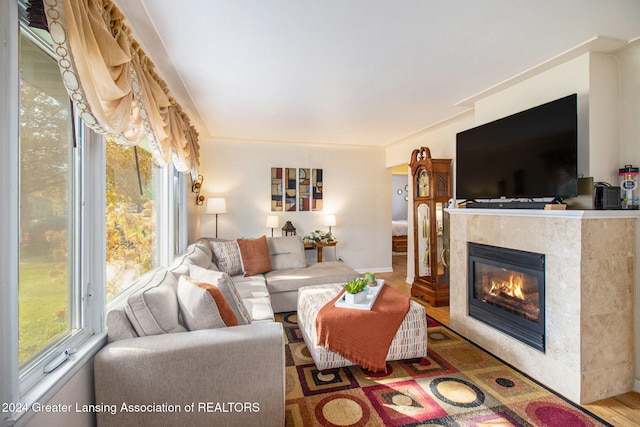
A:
319, 246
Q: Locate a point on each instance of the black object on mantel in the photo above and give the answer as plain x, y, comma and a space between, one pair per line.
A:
507, 205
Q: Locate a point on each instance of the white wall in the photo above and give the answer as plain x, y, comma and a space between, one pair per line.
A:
357, 190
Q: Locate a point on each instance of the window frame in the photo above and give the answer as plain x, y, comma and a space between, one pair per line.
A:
89, 251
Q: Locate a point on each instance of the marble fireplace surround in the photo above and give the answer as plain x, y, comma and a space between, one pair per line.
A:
589, 295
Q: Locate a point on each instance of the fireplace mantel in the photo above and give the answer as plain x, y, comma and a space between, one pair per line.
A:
580, 214
590, 258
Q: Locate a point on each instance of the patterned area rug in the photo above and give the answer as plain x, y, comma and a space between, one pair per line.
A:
457, 384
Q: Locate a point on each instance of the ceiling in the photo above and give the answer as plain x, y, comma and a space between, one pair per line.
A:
363, 72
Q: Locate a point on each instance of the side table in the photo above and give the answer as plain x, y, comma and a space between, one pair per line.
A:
319, 246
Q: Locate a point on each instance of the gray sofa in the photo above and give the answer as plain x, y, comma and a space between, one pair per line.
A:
231, 375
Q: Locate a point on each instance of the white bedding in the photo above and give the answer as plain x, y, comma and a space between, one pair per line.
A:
399, 227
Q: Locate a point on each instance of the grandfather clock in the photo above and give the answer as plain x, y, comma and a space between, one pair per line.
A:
432, 189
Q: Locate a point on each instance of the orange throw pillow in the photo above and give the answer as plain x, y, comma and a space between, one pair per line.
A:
226, 312
255, 256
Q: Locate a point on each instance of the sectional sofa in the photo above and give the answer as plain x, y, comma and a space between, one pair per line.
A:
171, 358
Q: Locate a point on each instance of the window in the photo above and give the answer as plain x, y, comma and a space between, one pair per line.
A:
56, 178
131, 214
48, 190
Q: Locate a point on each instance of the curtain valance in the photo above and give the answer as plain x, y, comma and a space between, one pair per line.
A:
113, 84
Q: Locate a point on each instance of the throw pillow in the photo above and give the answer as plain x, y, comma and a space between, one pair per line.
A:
255, 255
203, 306
228, 257
198, 306
226, 285
153, 309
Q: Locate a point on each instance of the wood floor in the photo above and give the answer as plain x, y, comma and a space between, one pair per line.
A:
621, 411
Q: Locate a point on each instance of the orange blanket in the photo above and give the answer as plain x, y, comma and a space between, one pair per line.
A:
363, 336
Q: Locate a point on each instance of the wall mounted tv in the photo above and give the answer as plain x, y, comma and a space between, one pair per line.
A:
531, 154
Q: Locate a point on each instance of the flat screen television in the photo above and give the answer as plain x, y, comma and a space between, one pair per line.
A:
530, 154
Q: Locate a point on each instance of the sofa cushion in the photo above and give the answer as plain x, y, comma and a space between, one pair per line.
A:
203, 306
118, 325
286, 252
255, 256
153, 309
194, 254
316, 274
228, 257
255, 296
205, 245
224, 283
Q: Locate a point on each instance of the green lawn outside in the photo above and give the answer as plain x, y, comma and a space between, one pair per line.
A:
43, 308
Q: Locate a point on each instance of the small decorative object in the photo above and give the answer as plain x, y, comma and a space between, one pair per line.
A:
629, 185
370, 278
288, 229
318, 236
355, 291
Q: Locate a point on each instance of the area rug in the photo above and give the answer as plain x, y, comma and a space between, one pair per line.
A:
456, 384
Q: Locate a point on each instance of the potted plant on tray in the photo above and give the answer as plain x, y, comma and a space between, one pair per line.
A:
355, 291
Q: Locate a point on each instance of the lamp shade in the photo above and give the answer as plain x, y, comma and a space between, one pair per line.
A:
216, 205
330, 220
272, 221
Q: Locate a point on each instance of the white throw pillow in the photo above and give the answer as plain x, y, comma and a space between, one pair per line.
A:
199, 310
153, 309
226, 285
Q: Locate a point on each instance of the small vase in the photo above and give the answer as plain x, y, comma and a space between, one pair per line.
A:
358, 298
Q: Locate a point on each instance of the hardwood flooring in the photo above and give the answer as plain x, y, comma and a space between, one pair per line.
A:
621, 411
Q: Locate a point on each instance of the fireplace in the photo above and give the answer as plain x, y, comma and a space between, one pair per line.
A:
506, 291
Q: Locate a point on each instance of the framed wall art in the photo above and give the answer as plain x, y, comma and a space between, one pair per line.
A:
296, 189
304, 189
290, 197
276, 189
317, 190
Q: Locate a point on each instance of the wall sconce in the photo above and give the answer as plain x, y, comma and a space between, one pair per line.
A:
216, 205
330, 221
272, 222
196, 186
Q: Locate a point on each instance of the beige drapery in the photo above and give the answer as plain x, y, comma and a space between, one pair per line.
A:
113, 84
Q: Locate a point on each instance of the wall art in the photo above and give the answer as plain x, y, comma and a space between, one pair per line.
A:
290, 189
317, 190
276, 189
304, 189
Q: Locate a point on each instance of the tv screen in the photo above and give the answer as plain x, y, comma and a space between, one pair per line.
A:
531, 154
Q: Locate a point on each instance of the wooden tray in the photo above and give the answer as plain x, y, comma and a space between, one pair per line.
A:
366, 304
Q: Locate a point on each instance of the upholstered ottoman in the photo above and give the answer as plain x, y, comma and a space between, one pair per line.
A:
409, 342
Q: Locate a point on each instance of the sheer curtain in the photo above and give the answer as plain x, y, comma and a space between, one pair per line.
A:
113, 84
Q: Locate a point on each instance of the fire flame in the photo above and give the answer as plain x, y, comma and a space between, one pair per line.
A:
512, 287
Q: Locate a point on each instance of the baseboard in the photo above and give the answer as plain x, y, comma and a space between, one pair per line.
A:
375, 270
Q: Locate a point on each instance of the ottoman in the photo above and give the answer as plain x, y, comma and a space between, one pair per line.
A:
409, 342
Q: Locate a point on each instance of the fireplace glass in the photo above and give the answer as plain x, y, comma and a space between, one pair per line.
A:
511, 290
506, 291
